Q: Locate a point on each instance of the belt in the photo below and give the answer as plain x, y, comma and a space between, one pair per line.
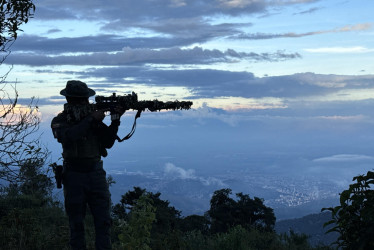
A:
83, 167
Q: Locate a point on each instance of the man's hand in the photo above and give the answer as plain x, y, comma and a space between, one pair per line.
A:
98, 115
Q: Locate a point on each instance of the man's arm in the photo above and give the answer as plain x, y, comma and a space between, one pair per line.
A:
108, 135
64, 132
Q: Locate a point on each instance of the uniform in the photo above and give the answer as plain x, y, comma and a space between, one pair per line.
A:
84, 141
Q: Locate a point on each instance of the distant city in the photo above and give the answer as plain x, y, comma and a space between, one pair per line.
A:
289, 197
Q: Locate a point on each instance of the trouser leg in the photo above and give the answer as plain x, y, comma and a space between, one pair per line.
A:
99, 203
75, 206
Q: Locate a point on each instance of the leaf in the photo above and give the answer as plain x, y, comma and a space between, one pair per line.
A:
334, 229
327, 208
370, 175
329, 223
344, 196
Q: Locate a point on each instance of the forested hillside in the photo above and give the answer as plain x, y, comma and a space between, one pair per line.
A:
31, 218
311, 225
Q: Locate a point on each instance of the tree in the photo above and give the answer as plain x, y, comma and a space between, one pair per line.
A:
221, 211
164, 228
30, 218
226, 212
19, 144
166, 215
13, 13
195, 222
18, 123
136, 233
253, 212
353, 219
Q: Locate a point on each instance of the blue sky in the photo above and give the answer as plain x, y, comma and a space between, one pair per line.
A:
281, 87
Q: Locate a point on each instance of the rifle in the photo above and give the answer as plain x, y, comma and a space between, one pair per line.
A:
130, 101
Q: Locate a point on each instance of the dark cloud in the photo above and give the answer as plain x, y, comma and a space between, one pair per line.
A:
47, 45
195, 30
178, 29
206, 83
311, 10
108, 43
99, 43
51, 31
173, 17
130, 56
174, 23
58, 13
143, 10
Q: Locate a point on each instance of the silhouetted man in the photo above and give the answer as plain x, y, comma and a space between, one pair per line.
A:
85, 138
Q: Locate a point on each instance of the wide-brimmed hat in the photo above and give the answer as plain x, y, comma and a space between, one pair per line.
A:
76, 88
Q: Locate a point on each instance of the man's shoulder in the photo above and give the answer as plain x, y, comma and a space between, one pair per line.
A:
59, 120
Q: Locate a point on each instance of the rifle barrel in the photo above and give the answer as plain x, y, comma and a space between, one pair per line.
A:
130, 101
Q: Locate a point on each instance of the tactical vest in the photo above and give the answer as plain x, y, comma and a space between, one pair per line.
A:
86, 148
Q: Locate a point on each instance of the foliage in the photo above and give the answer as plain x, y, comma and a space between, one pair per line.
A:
353, 219
143, 221
31, 219
13, 13
18, 143
194, 222
240, 238
18, 123
29, 216
136, 233
226, 212
164, 227
291, 240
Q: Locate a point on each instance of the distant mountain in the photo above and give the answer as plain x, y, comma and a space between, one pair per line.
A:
311, 225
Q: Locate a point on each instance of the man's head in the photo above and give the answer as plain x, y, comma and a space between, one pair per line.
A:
77, 92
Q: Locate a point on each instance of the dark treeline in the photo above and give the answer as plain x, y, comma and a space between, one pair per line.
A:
30, 218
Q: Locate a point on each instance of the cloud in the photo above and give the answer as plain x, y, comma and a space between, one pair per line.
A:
51, 31
97, 43
242, 4
344, 158
356, 27
356, 49
232, 118
141, 9
45, 45
285, 90
175, 18
171, 171
129, 56
262, 36
233, 90
340, 118
180, 29
311, 10
180, 35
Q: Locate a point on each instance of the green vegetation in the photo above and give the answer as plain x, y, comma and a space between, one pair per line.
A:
30, 218
354, 217
12, 15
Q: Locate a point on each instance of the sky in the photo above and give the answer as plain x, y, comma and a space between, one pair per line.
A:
282, 88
